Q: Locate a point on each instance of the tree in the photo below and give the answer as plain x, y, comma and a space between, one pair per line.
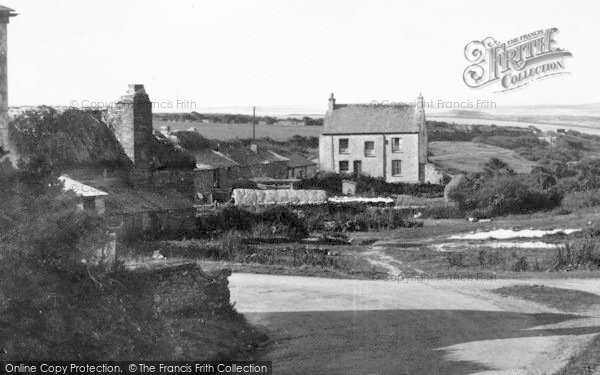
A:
496, 167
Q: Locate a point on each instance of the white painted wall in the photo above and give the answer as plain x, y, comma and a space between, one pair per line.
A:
329, 156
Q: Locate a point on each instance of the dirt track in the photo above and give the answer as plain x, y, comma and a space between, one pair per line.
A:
337, 326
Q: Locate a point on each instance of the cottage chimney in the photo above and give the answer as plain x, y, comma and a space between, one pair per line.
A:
331, 102
131, 119
420, 102
5, 14
254, 148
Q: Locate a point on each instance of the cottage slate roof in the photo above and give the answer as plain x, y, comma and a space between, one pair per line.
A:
211, 159
297, 160
246, 157
166, 154
123, 200
370, 119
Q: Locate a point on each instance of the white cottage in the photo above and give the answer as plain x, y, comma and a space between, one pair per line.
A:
387, 141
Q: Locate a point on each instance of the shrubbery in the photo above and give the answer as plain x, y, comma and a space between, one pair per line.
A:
281, 222
447, 211
366, 185
582, 253
581, 199
443, 131
354, 217
54, 303
499, 191
508, 195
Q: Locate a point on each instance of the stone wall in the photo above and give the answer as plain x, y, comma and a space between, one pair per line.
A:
181, 289
433, 175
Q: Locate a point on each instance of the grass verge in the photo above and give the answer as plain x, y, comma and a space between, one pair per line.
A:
559, 298
584, 362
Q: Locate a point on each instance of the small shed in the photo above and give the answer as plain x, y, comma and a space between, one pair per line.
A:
91, 198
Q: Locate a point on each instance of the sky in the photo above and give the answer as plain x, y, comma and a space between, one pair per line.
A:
287, 54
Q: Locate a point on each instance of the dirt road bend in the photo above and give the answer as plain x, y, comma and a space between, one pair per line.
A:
335, 326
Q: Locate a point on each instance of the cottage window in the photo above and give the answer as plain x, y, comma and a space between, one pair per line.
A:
344, 166
396, 144
369, 148
396, 167
343, 145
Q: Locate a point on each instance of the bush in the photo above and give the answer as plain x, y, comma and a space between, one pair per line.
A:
355, 217
281, 220
490, 258
366, 185
231, 245
520, 265
284, 222
455, 259
581, 199
448, 211
502, 195
54, 302
453, 192
584, 254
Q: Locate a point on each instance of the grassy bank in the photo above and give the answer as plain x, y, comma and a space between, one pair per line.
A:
585, 362
563, 299
279, 258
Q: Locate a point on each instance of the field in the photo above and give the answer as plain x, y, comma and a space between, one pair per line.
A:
232, 131
581, 124
470, 156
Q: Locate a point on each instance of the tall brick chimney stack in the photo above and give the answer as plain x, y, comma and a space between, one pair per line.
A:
131, 120
5, 14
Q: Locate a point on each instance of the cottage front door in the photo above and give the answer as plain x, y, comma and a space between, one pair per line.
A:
357, 166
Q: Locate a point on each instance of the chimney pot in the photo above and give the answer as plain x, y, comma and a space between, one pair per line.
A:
136, 88
331, 102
